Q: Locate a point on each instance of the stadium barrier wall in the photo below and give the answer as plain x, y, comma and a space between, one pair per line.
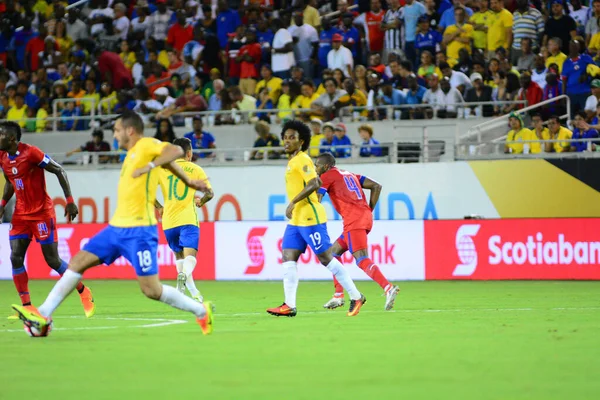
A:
492, 189
502, 249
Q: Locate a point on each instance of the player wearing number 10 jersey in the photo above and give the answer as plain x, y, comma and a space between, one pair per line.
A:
179, 218
348, 198
307, 222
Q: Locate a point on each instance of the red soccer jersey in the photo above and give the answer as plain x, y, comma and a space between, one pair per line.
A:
348, 198
25, 171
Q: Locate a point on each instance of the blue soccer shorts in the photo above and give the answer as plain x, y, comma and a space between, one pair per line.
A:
184, 236
139, 245
298, 237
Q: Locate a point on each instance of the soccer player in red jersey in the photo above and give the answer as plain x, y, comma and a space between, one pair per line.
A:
23, 166
346, 193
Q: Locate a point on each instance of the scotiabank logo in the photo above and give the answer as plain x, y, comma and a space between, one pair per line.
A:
513, 249
256, 252
465, 248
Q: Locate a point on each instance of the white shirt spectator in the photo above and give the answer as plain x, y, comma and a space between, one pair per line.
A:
280, 61
434, 98
103, 12
160, 24
122, 26
458, 78
77, 30
340, 58
137, 26
539, 78
307, 35
137, 72
591, 103
452, 97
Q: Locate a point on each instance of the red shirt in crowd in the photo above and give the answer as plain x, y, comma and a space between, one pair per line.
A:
33, 48
178, 36
112, 62
249, 69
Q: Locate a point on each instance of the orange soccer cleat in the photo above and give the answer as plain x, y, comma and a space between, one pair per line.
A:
206, 322
355, 305
282, 311
87, 300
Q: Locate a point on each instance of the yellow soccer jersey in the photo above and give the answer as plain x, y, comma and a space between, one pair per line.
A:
135, 196
179, 207
300, 171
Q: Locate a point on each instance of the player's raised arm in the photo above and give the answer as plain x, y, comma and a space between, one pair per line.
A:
374, 187
197, 184
9, 191
53, 167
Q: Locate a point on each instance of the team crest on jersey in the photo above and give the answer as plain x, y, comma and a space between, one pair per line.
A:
42, 228
15, 170
306, 169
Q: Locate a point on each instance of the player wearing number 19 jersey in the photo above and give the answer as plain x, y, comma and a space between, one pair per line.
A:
346, 193
23, 166
179, 218
307, 222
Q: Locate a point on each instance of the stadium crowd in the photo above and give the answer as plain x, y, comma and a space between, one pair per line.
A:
323, 58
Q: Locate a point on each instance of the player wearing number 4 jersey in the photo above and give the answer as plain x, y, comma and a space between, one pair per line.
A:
23, 166
307, 222
346, 193
179, 218
132, 231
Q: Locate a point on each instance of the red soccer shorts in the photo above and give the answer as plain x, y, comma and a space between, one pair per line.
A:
43, 229
354, 240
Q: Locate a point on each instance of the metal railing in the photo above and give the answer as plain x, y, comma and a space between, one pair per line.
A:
465, 151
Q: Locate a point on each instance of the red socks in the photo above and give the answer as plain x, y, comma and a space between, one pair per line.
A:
367, 265
21, 280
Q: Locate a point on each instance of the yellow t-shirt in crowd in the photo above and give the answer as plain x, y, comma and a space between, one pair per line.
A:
558, 59
454, 46
17, 115
563, 134
518, 137
128, 59
135, 196
315, 142
273, 86
180, 207
284, 103
40, 123
300, 171
480, 37
496, 35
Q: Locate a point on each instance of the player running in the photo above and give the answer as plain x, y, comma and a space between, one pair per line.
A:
307, 224
179, 218
132, 231
23, 166
348, 198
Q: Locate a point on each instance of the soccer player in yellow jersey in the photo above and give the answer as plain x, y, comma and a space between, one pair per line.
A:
179, 218
132, 231
307, 226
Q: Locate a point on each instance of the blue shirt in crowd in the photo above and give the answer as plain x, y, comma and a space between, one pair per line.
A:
411, 14
325, 44
201, 144
448, 17
227, 22
343, 152
578, 134
417, 97
428, 41
352, 35
572, 70
371, 151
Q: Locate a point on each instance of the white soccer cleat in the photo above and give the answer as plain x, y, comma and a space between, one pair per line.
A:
390, 297
335, 302
181, 278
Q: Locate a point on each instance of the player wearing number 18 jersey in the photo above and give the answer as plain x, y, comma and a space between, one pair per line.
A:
307, 222
179, 218
346, 193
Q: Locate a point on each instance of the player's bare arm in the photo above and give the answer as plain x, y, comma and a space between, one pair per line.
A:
168, 154
9, 191
197, 184
208, 196
311, 186
375, 188
71, 210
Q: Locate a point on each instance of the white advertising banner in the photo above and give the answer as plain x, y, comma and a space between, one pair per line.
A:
257, 193
252, 251
5, 265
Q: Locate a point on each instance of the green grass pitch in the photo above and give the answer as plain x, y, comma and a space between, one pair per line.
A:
444, 340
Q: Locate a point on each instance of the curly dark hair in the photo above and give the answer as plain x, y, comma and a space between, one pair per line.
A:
302, 129
11, 128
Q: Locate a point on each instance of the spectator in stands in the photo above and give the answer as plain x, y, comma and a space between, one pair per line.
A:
528, 23
67, 123
327, 104
340, 139
249, 58
481, 21
526, 60
391, 25
264, 102
76, 28
340, 57
227, 22
451, 100
519, 134
163, 96
541, 132
457, 79
465, 63
282, 53
411, 12
427, 39
353, 98
583, 131
97, 144
555, 56
414, 96
316, 138
433, 14
306, 44
370, 23
284, 102
574, 72
365, 132
113, 70
272, 83
389, 96
241, 101
30, 98
164, 130
325, 43
529, 91
121, 22
591, 103
538, 73
499, 34
457, 36
560, 26
434, 96
265, 139
427, 66
305, 100
559, 133
201, 139
351, 36
480, 92
190, 101
591, 26
328, 135
214, 102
